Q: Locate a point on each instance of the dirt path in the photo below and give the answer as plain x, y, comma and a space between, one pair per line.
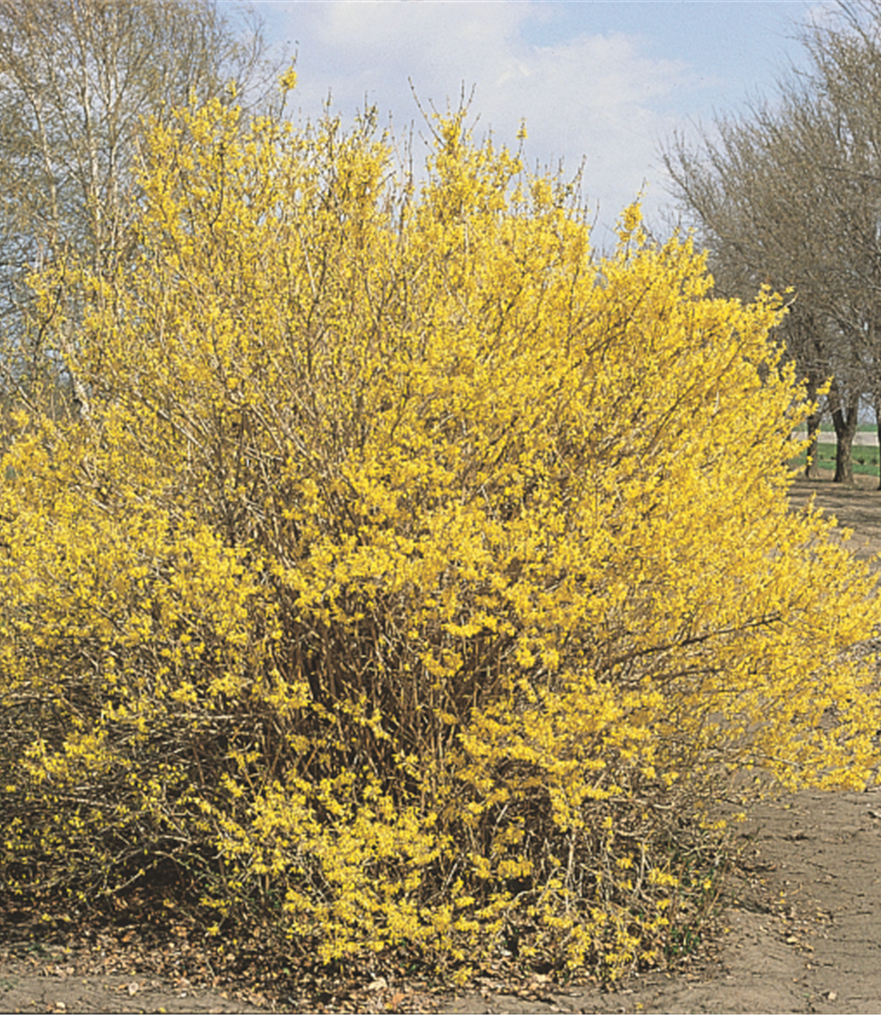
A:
24, 989
800, 930
857, 507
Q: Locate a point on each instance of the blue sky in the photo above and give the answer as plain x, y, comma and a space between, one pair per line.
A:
606, 82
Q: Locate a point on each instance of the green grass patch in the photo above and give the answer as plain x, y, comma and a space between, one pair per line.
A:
865, 459
861, 428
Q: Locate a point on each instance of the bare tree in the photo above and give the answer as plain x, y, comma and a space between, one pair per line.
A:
790, 196
846, 51
753, 191
78, 78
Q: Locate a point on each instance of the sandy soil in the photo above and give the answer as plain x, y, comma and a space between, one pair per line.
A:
799, 929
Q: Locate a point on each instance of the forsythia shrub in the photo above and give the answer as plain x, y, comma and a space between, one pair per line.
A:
412, 570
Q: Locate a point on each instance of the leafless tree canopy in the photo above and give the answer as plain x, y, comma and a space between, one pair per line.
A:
789, 195
77, 80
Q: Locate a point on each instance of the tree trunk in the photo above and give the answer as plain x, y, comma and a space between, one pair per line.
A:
812, 465
878, 426
844, 419
843, 462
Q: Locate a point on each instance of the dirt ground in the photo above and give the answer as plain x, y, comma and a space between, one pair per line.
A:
799, 929
857, 508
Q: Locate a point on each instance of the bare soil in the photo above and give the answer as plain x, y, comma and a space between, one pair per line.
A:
856, 507
799, 927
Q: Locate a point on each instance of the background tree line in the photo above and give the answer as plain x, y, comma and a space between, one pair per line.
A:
789, 195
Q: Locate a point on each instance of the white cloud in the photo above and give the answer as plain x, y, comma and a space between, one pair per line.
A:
597, 97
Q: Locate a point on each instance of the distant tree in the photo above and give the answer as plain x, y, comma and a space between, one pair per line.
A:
790, 196
78, 78
846, 51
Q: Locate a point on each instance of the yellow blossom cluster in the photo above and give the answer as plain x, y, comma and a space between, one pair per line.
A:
414, 570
